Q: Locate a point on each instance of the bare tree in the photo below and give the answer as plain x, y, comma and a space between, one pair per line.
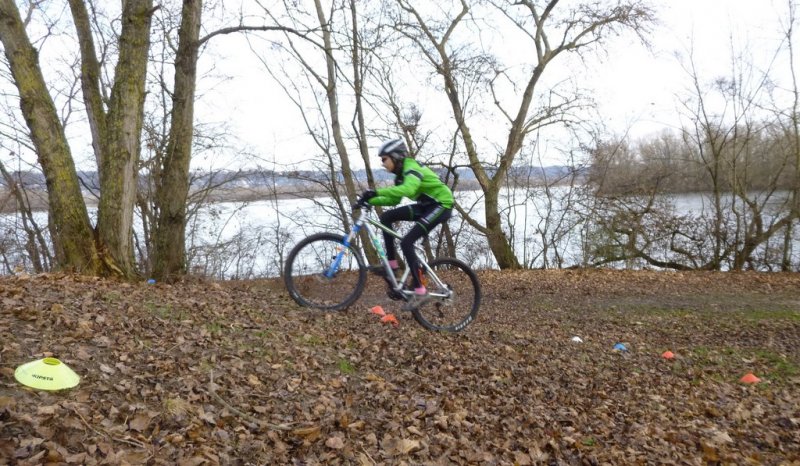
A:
71, 231
728, 143
577, 28
790, 124
336, 67
35, 243
116, 130
113, 101
172, 188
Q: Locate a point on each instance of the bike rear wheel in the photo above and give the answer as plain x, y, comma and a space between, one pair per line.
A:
452, 314
314, 281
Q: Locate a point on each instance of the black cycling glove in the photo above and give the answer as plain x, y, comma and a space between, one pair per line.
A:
367, 195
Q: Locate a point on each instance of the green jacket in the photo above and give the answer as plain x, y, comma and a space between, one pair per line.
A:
417, 183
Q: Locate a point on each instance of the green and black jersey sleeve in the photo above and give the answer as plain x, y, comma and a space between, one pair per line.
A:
419, 184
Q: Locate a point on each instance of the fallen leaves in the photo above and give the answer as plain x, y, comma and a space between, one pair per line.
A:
404, 446
7, 402
335, 443
196, 374
141, 421
310, 433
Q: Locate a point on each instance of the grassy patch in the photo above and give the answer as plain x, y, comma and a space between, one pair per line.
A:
206, 366
778, 314
164, 311
312, 340
111, 296
713, 317
346, 367
265, 334
214, 328
779, 368
176, 406
659, 311
725, 363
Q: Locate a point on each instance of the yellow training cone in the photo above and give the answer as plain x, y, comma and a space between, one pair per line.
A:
46, 374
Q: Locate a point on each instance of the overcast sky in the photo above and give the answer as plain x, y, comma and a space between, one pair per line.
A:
636, 88
639, 87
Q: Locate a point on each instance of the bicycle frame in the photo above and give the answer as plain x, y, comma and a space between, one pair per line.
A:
366, 222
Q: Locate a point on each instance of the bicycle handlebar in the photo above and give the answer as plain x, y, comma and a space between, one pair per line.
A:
360, 204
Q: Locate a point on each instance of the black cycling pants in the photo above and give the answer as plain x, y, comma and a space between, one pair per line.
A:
426, 216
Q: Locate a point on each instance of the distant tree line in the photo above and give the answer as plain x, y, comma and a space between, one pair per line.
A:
743, 164
669, 163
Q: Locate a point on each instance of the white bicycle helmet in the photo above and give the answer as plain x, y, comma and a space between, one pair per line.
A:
396, 149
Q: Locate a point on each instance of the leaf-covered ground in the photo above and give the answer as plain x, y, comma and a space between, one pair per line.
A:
235, 373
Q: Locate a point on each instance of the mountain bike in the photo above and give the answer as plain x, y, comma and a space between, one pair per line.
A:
328, 271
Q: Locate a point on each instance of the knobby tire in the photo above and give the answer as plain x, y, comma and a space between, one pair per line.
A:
304, 273
453, 315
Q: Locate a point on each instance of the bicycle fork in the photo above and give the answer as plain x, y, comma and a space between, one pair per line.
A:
342, 252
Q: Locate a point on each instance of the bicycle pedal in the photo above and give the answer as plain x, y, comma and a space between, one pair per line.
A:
416, 301
392, 294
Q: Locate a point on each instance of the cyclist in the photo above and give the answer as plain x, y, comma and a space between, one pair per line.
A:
433, 206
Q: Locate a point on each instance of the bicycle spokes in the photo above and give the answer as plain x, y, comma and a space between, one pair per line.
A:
323, 273
455, 294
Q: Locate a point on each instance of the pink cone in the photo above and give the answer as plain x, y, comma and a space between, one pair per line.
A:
390, 319
749, 378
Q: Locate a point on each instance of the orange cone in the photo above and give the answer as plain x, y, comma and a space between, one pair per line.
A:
390, 319
667, 355
377, 310
749, 378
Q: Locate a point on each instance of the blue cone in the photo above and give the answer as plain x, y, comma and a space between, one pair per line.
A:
151, 281
620, 347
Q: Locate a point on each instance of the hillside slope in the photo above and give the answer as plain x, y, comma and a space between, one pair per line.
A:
236, 373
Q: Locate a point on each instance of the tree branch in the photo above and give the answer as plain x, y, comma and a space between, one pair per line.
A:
243, 28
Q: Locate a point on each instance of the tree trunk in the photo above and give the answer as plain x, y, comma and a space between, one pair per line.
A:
501, 248
90, 78
119, 164
359, 125
169, 258
333, 104
71, 230
36, 246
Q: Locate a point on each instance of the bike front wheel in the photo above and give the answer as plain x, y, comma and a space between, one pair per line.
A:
322, 273
455, 302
